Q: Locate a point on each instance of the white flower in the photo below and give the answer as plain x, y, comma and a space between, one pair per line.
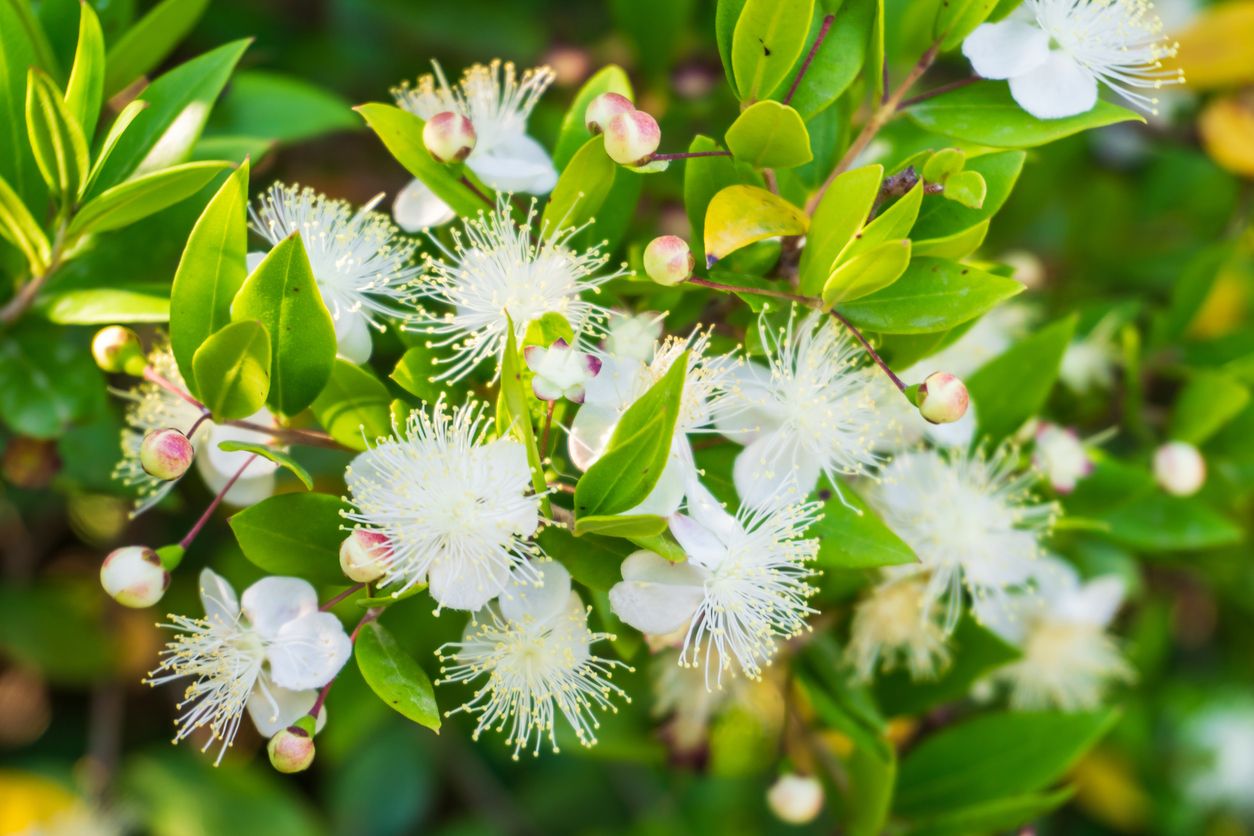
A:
1061, 456
897, 622
360, 261
970, 519
1219, 749
535, 647
679, 693
812, 413
455, 507
1054, 53
742, 588
497, 103
634, 337
269, 652
1088, 364
560, 371
496, 272
622, 381
1060, 625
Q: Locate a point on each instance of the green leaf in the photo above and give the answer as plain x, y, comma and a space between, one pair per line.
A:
621, 525
1002, 815
574, 134
85, 89
871, 779
116, 131
178, 106
739, 215
993, 756
582, 188
47, 381
279, 107
768, 38
513, 412
957, 246
893, 223
548, 329
1208, 401
20, 229
984, 114
275, 455
395, 677
855, 537
838, 217
142, 196
592, 560
770, 135
415, 372
638, 450
401, 133
942, 218
868, 271
353, 408
955, 19
18, 52
726, 16
932, 295
55, 137
282, 295
704, 177
294, 534
839, 59
1155, 523
139, 302
966, 188
1012, 387
57, 627
211, 271
149, 41
942, 164
232, 370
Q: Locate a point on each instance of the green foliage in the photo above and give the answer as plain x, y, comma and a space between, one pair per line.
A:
353, 406
1011, 388
294, 534
585, 183
932, 295
838, 217
279, 457
151, 39
769, 135
232, 370
852, 536
395, 677
768, 37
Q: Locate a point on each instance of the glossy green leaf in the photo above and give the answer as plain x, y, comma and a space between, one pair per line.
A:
838, 217
279, 457
282, 295
55, 137
47, 382
891, 224
739, 215
513, 412
838, 61
768, 134
870, 270
592, 560
149, 41
1206, 403
1001, 815
956, 247
581, 189
967, 189
310, 550
872, 774
415, 373
955, 19
123, 302
932, 295
768, 37
353, 407
211, 271
621, 525
941, 218
942, 164
232, 370
116, 131
726, 16
573, 134
855, 537
1155, 523
278, 107
139, 197
18, 52
19, 228
1012, 387
395, 677
84, 91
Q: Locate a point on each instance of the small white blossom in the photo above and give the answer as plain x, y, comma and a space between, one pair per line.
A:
679, 693
498, 103
898, 623
1088, 364
634, 337
741, 590
560, 371
1218, 743
534, 645
360, 261
1179, 468
813, 412
796, 799
494, 273
269, 651
456, 508
1061, 456
1055, 53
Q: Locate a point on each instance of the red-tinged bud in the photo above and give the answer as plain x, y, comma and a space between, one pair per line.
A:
134, 577
449, 137
1179, 468
166, 454
668, 260
631, 138
942, 398
291, 750
365, 555
604, 108
117, 349
795, 799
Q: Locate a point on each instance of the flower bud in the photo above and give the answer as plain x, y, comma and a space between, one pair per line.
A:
796, 799
449, 137
134, 577
365, 555
942, 398
631, 138
668, 261
604, 108
166, 453
118, 349
291, 750
1179, 468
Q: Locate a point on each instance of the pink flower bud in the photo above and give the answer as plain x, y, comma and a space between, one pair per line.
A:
942, 398
166, 454
668, 261
795, 799
134, 577
1179, 468
365, 555
604, 108
631, 138
118, 349
449, 137
291, 750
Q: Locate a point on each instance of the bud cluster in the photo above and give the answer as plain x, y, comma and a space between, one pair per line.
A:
631, 136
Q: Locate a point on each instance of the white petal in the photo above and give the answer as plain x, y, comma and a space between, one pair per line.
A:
417, 208
1060, 87
453, 585
668, 493
1006, 49
273, 709
309, 651
1005, 615
365, 470
772, 468
590, 433
227, 463
1095, 603
519, 164
524, 601
657, 596
272, 602
219, 599
750, 387
618, 383
253, 260
705, 508
352, 337
698, 542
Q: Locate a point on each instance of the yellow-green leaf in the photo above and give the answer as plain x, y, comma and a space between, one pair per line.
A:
770, 135
867, 272
768, 37
740, 215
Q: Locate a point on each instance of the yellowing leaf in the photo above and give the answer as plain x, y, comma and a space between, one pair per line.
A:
1215, 51
1227, 128
740, 215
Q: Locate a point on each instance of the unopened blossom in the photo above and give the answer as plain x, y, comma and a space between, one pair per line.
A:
632, 137
812, 412
897, 624
268, 652
560, 371
134, 576
533, 649
360, 261
455, 506
668, 260
1056, 53
495, 273
291, 750
497, 102
795, 799
1179, 468
604, 108
971, 519
1061, 456
943, 398
449, 137
365, 556
116, 349
742, 589
1059, 623
165, 453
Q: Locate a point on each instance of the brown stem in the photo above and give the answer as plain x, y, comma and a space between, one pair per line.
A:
292, 436
371, 614
936, 91
686, 155
25, 296
869, 350
338, 598
213, 506
476, 192
805, 65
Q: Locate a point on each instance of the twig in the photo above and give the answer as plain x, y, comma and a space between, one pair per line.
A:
476, 192
357, 587
25, 296
217, 500
687, 155
805, 65
936, 91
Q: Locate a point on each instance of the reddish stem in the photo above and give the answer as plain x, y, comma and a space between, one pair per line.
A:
805, 65
338, 598
936, 91
476, 192
213, 506
371, 614
685, 155
152, 375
